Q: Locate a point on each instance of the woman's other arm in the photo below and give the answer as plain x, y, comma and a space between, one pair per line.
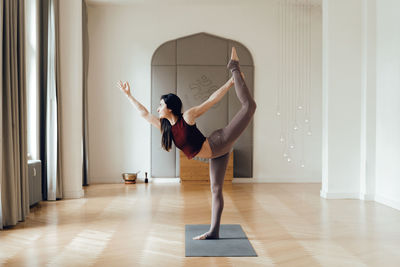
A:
139, 107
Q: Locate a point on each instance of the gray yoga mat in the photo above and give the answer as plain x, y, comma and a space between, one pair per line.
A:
232, 242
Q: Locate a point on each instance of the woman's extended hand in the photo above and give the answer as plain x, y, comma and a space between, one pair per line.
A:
124, 87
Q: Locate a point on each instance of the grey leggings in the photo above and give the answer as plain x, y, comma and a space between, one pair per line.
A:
221, 143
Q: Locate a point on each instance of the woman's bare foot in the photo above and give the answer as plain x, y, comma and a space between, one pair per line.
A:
233, 64
200, 237
203, 237
234, 55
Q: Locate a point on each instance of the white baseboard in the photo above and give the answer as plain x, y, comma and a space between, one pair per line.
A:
73, 194
274, 180
100, 180
138, 180
388, 202
162, 180
327, 195
235, 180
368, 197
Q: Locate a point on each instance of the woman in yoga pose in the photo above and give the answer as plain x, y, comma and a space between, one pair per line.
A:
181, 129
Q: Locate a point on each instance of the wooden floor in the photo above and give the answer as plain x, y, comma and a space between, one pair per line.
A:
143, 225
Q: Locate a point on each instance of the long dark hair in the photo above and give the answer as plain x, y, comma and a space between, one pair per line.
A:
174, 103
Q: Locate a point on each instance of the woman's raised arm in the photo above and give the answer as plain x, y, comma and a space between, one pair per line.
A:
139, 107
195, 112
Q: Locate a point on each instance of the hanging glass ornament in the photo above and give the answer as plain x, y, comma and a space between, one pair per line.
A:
278, 110
302, 165
292, 144
293, 75
309, 132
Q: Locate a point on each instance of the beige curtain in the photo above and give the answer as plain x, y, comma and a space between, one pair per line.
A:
59, 191
53, 107
85, 45
57, 84
1, 112
14, 179
50, 100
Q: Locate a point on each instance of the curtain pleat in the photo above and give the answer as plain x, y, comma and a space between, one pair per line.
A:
1, 112
43, 26
85, 46
50, 101
59, 190
22, 107
51, 109
14, 176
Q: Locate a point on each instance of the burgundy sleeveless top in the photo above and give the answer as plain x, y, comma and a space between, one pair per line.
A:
187, 138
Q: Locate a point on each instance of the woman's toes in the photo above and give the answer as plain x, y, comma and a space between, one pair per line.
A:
234, 54
200, 237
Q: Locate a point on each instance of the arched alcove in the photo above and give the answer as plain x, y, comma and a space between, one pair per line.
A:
193, 67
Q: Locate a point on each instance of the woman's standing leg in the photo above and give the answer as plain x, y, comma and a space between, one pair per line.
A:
217, 174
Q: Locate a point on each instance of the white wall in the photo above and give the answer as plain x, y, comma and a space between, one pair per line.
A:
361, 97
71, 96
342, 98
368, 152
123, 39
388, 103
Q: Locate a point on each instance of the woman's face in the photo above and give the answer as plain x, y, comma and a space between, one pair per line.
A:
163, 110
